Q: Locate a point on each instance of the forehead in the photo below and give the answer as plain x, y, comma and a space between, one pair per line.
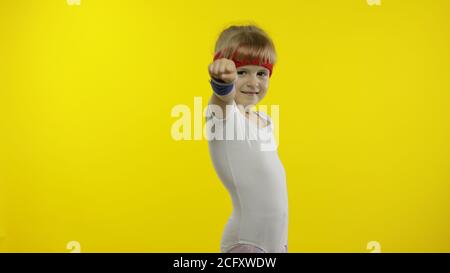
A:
251, 68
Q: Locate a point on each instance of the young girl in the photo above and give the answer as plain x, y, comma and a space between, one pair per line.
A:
253, 175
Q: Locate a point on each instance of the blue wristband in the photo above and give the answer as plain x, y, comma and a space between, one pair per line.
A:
221, 89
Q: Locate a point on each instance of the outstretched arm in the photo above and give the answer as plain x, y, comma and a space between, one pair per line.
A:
223, 74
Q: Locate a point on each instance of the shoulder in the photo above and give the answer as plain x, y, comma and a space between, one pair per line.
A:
265, 116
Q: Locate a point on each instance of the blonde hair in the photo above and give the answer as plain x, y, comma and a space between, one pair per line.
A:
246, 43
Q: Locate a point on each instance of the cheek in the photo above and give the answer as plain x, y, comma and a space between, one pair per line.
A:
264, 85
238, 84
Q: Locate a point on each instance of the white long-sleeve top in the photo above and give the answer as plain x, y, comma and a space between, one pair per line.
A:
246, 161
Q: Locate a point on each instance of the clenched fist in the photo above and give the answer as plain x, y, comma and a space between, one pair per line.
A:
223, 69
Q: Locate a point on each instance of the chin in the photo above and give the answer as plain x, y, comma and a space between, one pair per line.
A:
248, 102
255, 100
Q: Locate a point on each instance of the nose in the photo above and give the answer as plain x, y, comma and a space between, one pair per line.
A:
252, 81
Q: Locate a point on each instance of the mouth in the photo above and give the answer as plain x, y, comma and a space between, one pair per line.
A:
250, 92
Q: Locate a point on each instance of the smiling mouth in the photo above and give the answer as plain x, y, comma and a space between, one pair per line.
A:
250, 92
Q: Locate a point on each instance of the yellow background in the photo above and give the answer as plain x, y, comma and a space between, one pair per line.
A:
86, 152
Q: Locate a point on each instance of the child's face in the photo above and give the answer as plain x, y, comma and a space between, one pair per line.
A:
251, 84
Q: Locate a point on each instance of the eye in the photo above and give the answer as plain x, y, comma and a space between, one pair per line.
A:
262, 73
241, 72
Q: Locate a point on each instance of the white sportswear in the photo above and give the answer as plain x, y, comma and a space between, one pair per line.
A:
250, 169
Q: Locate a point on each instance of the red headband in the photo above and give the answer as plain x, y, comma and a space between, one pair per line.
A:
238, 63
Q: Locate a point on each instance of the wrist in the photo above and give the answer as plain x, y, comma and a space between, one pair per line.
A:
221, 88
